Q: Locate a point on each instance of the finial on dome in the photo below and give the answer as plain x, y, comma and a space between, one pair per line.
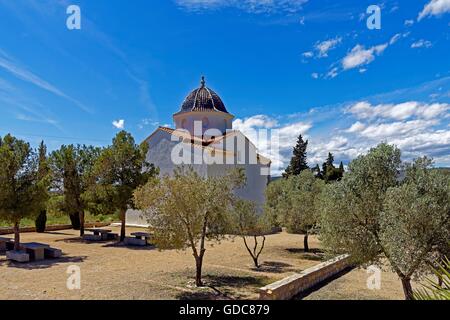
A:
203, 82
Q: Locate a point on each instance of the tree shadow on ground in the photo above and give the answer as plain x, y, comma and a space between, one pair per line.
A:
44, 264
322, 284
81, 240
273, 267
123, 245
314, 254
57, 233
222, 287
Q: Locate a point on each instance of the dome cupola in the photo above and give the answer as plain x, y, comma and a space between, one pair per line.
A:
203, 110
203, 99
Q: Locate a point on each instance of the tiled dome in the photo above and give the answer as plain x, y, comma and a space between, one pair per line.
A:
203, 99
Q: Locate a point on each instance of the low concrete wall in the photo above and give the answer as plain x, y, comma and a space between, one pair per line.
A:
289, 287
9, 230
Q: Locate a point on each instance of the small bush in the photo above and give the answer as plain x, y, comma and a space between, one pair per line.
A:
41, 222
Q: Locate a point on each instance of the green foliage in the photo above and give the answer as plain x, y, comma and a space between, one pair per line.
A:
118, 171
43, 173
247, 223
436, 289
329, 172
300, 204
274, 195
22, 189
416, 219
299, 159
294, 203
371, 215
351, 207
72, 174
186, 209
41, 221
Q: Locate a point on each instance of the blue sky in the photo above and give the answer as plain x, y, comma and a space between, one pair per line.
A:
310, 67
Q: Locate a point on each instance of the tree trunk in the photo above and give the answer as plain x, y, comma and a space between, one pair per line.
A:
75, 220
122, 227
81, 223
198, 267
16, 236
255, 261
305, 242
407, 288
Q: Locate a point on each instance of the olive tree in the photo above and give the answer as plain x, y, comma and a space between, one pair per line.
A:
187, 209
298, 205
274, 195
374, 217
23, 189
415, 222
248, 224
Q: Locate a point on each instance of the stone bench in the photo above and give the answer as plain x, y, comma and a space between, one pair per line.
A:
52, 253
135, 242
92, 237
112, 236
6, 244
18, 256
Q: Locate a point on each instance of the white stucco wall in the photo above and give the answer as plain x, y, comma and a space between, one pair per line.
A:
161, 152
217, 120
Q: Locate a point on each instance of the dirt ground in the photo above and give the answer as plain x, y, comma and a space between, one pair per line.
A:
353, 286
114, 271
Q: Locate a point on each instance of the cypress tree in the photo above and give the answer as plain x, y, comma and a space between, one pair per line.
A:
299, 159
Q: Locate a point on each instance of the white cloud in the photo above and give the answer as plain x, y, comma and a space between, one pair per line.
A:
250, 6
308, 54
417, 128
401, 111
395, 38
332, 73
360, 56
356, 127
409, 23
119, 124
315, 75
434, 8
323, 47
421, 43
388, 130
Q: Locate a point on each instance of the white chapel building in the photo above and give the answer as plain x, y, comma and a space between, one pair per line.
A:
204, 139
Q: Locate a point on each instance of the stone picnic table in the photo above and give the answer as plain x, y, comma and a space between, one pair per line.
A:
100, 234
140, 239
35, 250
